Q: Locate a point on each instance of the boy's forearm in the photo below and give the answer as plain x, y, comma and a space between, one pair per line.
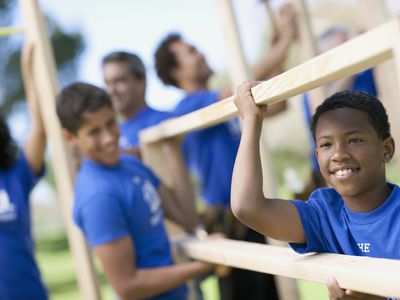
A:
153, 281
247, 193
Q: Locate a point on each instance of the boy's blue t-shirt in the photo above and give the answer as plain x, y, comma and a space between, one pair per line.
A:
330, 227
19, 273
122, 201
145, 118
211, 152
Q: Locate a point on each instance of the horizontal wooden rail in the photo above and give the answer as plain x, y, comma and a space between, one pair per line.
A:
360, 53
365, 274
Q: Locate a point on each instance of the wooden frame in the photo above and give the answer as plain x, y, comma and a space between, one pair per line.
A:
376, 276
47, 88
239, 72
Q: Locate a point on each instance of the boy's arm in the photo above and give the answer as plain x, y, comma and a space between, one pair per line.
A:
336, 293
36, 144
275, 218
179, 199
118, 261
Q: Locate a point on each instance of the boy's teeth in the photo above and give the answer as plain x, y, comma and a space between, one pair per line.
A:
343, 172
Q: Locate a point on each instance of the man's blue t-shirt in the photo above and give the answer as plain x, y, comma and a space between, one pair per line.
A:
330, 227
145, 118
19, 274
210, 153
120, 201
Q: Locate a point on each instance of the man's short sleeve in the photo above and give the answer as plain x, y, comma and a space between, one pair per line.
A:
311, 226
101, 219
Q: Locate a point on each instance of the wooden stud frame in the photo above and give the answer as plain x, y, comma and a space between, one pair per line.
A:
239, 72
46, 85
370, 275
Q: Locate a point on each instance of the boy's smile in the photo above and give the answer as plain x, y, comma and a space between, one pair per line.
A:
352, 157
97, 137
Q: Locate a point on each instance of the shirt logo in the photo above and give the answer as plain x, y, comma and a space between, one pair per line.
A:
7, 209
152, 199
365, 247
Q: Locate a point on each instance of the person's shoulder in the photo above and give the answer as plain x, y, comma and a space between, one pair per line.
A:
325, 197
92, 177
196, 100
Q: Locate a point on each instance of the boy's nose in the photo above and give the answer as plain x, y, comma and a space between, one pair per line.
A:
341, 153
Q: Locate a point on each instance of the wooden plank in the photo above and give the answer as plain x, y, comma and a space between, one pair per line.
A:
47, 88
360, 53
239, 72
386, 76
365, 274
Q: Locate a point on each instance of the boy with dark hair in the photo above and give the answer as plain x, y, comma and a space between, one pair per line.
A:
125, 77
359, 214
119, 203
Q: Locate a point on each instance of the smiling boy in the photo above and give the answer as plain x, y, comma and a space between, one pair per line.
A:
119, 203
359, 214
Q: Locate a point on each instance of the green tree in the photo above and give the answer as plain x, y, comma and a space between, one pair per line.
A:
67, 48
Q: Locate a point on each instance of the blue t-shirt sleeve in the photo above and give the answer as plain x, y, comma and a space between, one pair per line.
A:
313, 232
101, 219
26, 175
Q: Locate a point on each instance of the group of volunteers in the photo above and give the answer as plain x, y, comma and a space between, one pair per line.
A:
120, 204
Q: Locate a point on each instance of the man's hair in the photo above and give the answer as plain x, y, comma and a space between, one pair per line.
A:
361, 101
8, 149
77, 99
136, 66
166, 59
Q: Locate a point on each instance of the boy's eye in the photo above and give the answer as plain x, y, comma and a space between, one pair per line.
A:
94, 132
355, 141
325, 145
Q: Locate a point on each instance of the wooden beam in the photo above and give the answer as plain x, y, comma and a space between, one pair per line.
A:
376, 276
360, 53
239, 72
47, 88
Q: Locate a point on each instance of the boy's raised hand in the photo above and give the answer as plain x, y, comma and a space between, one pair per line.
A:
244, 101
336, 293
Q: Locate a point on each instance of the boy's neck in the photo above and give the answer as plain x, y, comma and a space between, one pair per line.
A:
369, 200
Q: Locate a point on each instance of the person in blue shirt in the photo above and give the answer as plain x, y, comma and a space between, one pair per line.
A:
359, 213
120, 205
19, 172
210, 153
125, 77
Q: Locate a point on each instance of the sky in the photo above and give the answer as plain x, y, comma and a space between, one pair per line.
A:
138, 26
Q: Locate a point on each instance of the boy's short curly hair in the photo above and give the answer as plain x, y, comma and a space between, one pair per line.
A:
77, 99
371, 105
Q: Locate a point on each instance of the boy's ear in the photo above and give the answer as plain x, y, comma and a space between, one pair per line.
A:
69, 136
388, 149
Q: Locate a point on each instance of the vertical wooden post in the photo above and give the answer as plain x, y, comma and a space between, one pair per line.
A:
47, 88
307, 47
287, 288
386, 74
152, 156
